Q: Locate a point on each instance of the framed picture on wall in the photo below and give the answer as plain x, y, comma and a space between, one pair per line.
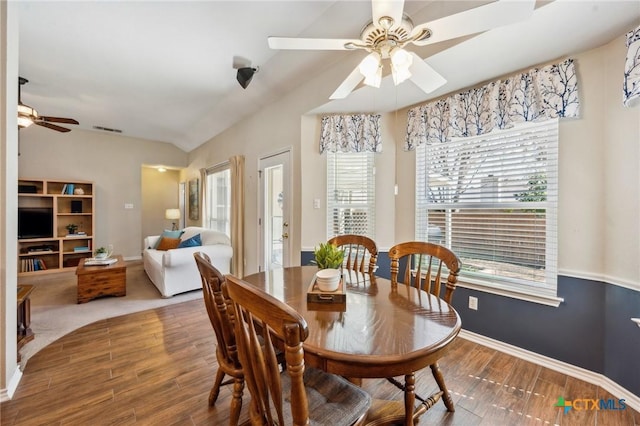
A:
194, 199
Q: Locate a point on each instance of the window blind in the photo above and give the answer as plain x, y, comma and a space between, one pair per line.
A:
492, 199
350, 193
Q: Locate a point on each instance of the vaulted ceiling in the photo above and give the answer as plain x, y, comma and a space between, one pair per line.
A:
163, 70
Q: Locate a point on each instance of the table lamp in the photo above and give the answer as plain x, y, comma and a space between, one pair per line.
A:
172, 214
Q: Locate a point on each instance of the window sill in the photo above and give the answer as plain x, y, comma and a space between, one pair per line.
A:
540, 297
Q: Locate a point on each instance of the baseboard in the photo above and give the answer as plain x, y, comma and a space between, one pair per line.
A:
6, 394
598, 379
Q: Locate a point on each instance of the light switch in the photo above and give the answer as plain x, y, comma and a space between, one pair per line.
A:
128, 206
316, 203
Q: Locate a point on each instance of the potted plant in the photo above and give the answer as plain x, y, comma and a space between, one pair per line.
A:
328, 256
72, 228
329, 259
102, 253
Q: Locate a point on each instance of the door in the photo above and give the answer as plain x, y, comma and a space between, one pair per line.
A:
275, 202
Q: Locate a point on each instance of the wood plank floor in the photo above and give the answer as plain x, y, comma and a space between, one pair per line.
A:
156, 368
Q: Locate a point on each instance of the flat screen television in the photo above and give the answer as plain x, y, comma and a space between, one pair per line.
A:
35, 222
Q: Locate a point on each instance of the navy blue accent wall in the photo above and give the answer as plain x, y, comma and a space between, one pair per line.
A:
590, 329
622, 337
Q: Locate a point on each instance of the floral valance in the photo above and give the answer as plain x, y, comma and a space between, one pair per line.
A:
350, 133
535, 95
631, 85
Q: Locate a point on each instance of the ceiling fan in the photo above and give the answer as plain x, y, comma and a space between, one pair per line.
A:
390, 31
28, 116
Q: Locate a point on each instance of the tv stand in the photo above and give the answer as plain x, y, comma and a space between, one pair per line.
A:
72, 202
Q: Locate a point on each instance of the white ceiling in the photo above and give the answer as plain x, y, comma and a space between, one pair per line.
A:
163, 71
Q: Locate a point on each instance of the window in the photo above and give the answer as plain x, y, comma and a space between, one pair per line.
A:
492, 199
218, 199
350, 194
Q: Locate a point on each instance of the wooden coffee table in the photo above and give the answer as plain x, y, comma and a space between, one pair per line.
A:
98, 281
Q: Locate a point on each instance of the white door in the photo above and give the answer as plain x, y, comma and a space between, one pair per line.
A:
275, 202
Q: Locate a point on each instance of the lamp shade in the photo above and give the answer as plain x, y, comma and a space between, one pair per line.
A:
172, 214
26, 115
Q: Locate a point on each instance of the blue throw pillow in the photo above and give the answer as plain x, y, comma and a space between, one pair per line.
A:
194, 241
169, 234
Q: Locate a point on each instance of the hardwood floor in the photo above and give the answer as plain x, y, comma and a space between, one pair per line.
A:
156, 368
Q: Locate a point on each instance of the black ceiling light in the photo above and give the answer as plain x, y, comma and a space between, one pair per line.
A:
244, 75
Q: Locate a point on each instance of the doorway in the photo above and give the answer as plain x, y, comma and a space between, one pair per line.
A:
275, 202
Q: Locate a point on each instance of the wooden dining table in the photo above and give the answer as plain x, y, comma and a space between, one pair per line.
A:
376, 333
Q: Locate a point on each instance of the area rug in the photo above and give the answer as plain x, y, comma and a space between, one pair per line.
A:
55, 311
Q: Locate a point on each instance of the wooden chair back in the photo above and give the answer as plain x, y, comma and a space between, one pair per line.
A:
356, 248
423, 267
219, 309
259, 316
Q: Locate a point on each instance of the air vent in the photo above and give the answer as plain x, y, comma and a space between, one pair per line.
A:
107, 129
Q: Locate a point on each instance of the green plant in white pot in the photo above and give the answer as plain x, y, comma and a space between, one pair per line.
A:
103, 252
329, 259
328, 256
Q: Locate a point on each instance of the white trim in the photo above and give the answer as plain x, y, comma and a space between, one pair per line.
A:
542, 299
7, 394
598, 379
592, 276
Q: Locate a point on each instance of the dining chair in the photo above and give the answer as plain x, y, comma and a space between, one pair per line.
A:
298, 394
356, 250
423, 269
220, 311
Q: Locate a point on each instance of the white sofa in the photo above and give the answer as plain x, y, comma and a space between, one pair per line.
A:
174, 271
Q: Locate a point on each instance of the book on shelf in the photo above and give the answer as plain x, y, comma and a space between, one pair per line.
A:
34, 264
70, 188
80, 249
41, 265
92, 261
64, 189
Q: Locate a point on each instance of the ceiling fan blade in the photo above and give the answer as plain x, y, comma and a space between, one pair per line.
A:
59, 120
348, 85
291, 43
387, 8
52, 126
482, 18
424, 76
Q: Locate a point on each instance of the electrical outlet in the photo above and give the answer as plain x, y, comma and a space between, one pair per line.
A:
473, 303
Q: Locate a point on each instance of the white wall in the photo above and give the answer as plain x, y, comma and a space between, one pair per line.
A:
113, 163
9, 373
599, 234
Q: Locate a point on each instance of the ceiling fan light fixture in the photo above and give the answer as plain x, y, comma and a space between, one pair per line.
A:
26, 116
374, 79
400, 75
401, 61
371, 69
